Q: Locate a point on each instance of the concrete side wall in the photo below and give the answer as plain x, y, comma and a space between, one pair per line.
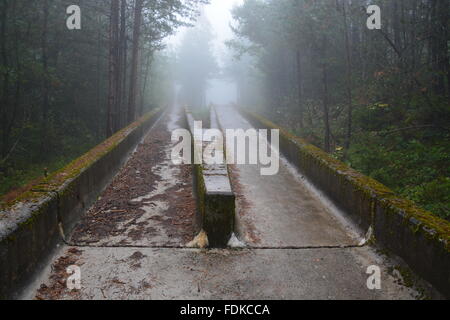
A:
415, 235
216, 200
30, 227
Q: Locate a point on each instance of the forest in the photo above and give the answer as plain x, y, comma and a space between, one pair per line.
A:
377, 99
63, 91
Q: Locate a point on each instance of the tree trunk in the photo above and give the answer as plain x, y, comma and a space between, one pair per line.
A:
134, 90
348, 134
113, 66
438, 44
326, 113
5, 94
45, 82
18, 80
122, 65
148, 64
300, 88
124, 109
98, 91
444, 38
396, 25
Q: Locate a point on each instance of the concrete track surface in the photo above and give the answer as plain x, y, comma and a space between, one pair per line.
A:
131, 243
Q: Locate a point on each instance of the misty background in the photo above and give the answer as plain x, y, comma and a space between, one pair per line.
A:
377, 100
216, 18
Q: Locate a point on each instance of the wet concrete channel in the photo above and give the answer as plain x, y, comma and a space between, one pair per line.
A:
283, 210
131, 244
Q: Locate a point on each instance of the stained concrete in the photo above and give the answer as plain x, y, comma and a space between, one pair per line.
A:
155, 205
31, 228
283, 210
143, 273
288, 214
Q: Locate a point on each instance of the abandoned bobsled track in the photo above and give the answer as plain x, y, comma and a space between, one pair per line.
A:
128, 215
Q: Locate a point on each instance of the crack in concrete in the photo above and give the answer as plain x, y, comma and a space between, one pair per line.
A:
231, 249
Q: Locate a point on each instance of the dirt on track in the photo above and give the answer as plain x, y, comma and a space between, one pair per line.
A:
58, 279
149, 203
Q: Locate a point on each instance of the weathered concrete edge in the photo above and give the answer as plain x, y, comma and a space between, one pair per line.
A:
421, 239
216, 209
31, 226
239, 228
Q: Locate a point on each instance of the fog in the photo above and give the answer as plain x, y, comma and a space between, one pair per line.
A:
359, 88
219, 15
221, 91
215, 20
368, 84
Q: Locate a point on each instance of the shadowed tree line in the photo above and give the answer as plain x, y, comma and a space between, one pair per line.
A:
62, 91
377, 99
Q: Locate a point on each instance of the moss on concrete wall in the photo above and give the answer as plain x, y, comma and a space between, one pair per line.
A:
419, 237
29, 227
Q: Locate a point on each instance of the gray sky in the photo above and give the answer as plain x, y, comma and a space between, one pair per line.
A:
219, 15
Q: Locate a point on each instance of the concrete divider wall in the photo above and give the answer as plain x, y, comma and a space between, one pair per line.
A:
216, 200
31, 226
420, 238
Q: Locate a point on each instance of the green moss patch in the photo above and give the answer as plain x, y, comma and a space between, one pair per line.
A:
73, 169
419, 220
416, 218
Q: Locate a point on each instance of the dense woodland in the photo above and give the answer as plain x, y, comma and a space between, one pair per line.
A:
63, 91
377, 99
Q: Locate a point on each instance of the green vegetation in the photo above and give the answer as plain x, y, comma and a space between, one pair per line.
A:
416, 170
379, 100
64, 91
22, 172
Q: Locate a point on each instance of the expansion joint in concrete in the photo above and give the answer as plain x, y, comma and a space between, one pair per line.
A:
237, 249
58, 216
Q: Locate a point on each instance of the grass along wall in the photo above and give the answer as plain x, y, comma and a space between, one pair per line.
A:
35, 222
420, 238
